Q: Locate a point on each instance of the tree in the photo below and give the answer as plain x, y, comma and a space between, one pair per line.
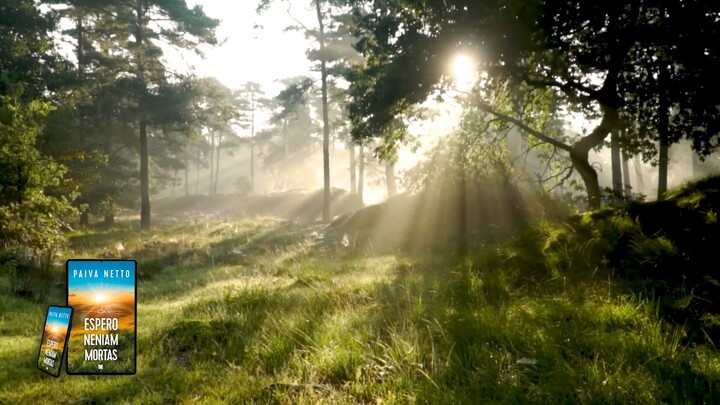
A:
150, 22
86, 131
217, 113
29, 66
330, 56
31, 212
678, 95
124, 87
596, 58
253, 93
290, 141
340, 122
361, 172
326, 124
30, 217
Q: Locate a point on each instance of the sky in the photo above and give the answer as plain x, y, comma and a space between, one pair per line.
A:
247, 53
253, 47
270, 53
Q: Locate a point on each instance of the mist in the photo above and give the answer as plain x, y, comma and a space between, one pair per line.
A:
365, 201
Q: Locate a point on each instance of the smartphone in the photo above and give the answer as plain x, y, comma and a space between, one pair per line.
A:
54, 338
103, 295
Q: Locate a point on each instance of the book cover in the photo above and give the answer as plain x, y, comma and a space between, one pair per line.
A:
103, 335
54, 335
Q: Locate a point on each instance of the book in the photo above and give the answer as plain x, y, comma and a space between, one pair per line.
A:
103, 336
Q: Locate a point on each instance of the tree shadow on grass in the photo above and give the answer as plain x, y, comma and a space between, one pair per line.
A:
258, 332
168, 272
450, 335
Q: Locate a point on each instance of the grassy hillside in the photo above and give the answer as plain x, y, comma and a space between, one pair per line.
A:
258, 311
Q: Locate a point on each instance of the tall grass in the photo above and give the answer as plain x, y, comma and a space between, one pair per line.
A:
262, 312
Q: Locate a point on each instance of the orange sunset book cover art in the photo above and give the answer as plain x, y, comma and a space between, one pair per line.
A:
103, 335
53, 339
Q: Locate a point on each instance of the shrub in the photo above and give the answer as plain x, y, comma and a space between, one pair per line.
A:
30, 219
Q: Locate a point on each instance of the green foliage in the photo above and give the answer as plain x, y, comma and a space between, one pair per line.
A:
35, 224
659, 248
650, 88
28, 65
25, 171
122, 88
478, 150
29, 218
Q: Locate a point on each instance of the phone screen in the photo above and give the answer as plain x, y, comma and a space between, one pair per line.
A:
52, 345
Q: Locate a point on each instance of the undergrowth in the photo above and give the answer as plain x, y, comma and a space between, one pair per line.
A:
601, 308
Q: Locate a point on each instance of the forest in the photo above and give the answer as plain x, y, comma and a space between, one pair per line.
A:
369, 201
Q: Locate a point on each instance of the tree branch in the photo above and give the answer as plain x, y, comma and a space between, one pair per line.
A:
547, 166
564, 179
568, 88
482, 131
537, 134
295, 19
525, 153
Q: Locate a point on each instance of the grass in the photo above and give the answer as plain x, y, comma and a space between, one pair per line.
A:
259, 311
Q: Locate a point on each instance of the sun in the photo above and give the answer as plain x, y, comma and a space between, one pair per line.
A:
54, 329
464, 72
99, 297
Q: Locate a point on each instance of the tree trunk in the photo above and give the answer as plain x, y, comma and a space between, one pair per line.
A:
617, 180
144, 177
640, 184
81, 74
626, 175
662, 169
361, 172
187, 166
286, 141
664, 144
579, 159
109, 219
212, 160
662, 161
197, 171
174, 182
252, 166
353, 169
579, 153
144, 157
217, 165
326, 127
390, 178
252, 141
85, 218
